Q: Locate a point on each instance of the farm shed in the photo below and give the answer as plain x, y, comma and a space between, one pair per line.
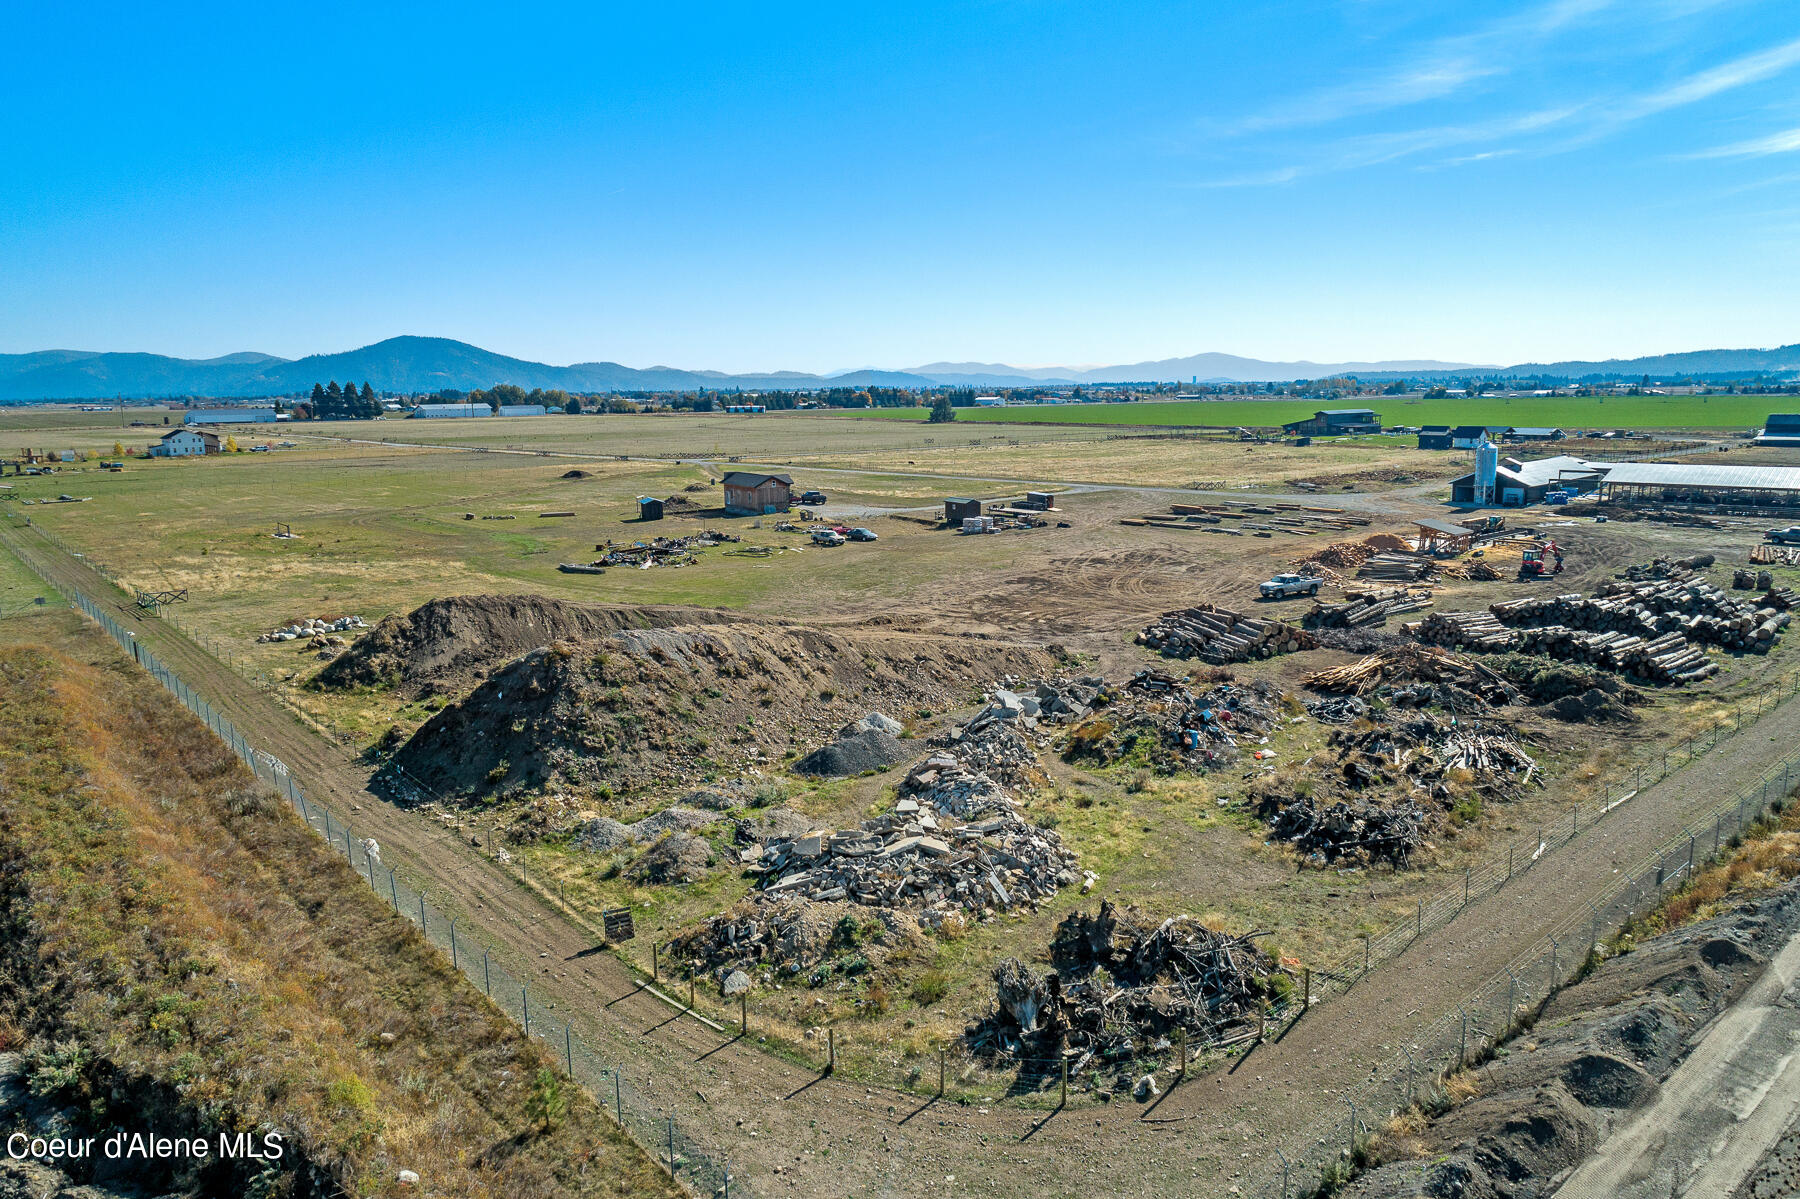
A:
1434, 437
1697, 483
750, 494
521, 410
230, 416
442, 411
1782, 428
1442, 536
1517, 483
1328, 422
649, 508
957, 510
1532, 433
185, 443
1465, 437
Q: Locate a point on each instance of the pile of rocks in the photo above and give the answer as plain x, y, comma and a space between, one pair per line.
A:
871, 743
315, 629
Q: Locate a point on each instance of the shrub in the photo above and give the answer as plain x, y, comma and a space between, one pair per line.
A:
930, 987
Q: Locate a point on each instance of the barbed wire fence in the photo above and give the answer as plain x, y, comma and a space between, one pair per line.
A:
655, 1125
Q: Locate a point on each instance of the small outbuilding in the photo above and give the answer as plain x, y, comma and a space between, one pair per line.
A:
1434, 437
649, 508
1443, 537
750, 494
1535, 433
958, 509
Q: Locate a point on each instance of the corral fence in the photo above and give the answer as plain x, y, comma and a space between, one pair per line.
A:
656, 1127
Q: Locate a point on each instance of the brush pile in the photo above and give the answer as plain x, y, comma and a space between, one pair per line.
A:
1122, 985
1440, 670
1357, 829
1160, 723
1218, 635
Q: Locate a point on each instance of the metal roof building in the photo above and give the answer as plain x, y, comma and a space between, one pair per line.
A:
1687, 481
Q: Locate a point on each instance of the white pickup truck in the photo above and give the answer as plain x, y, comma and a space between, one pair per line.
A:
1288, 586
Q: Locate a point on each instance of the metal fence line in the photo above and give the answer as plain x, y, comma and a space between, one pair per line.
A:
652, 1125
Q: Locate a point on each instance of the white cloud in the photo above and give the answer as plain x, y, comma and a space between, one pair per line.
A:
1785, 142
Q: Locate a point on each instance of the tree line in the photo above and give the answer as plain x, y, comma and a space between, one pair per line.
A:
331, 402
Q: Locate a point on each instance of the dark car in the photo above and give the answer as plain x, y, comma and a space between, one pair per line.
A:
861, 534
812, 497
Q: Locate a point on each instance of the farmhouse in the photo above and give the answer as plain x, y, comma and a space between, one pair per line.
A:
751, 494
185, 443
1328, 422
230, 416
1517, 483
1782, 428
1434, 437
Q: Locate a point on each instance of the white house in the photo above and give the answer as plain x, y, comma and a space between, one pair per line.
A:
186, 443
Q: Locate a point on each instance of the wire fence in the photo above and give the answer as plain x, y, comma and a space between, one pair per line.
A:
1464, 1034
654, 1125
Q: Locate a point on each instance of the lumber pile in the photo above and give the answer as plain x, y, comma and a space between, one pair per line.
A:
1406, 662
1365, 607
1217, 635
1395, 568
1691, 606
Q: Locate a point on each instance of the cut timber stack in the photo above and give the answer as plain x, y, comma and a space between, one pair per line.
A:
1365, 609
1467, 630
1395, 568
1219, 635
1775, 555
1691, 606
1665, 659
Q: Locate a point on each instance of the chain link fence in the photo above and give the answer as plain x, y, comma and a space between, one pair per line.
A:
654, 1125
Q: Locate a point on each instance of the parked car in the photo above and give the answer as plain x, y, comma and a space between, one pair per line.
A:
1784, 536
1287, 586
827, 537
861, 534
812, 497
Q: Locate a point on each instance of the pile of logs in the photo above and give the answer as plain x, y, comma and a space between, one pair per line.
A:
1395, 568
1665, 659
1775, 555
1219, 635
1368, 606
1691, 606
1752, 580
1466, 630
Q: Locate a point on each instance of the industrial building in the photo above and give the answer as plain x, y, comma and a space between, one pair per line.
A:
751, 494
1701, 483
1511, 482
1334, 422
442, 411
230, 416
1782, 428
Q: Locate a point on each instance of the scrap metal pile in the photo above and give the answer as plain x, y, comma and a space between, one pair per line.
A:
1122, 985
1161, 722
661, 551
1218, 635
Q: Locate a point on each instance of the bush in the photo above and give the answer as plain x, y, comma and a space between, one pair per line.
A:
930, 987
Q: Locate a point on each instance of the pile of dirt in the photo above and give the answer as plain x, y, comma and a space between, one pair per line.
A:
866, 745
674, 858
577, 474
443, 645
1599, 1050
654, 710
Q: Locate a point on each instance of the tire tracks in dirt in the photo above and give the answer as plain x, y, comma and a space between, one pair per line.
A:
833, 1136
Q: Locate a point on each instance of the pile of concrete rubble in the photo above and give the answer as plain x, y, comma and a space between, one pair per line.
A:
315, 629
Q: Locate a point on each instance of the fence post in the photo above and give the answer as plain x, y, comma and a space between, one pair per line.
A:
1307, 1003
569, 1049
487, 984
1065, 1083
744, 1015
525, 1006
1462, 1045
393, 889
940, 1074
453, 962
830, 1050
1553, 974
1181, 1074
1465, 886
1419, 920
671, 1142
618, 1101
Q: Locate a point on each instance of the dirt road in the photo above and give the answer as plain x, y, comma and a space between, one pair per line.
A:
786, 1131
1720, 1112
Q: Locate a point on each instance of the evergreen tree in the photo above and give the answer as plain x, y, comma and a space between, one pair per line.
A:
318, 397
941, 411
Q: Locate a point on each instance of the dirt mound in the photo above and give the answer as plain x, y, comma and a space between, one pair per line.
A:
651, 710
576, 474
445, 643
676, 858
871, 749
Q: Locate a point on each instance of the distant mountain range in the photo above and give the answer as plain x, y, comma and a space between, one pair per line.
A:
420, 364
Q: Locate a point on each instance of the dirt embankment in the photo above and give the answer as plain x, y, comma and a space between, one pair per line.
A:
642, 710
1598, 1052
447, 643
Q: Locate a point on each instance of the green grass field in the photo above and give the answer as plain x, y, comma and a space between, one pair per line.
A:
1595, 412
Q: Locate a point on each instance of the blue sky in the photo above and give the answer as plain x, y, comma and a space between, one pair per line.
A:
830, 186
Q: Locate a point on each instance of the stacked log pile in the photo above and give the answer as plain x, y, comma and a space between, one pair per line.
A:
1395, 568
1775, 555
1366, 607
1406, 663
1467, 630
1691, 606
1219, 635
